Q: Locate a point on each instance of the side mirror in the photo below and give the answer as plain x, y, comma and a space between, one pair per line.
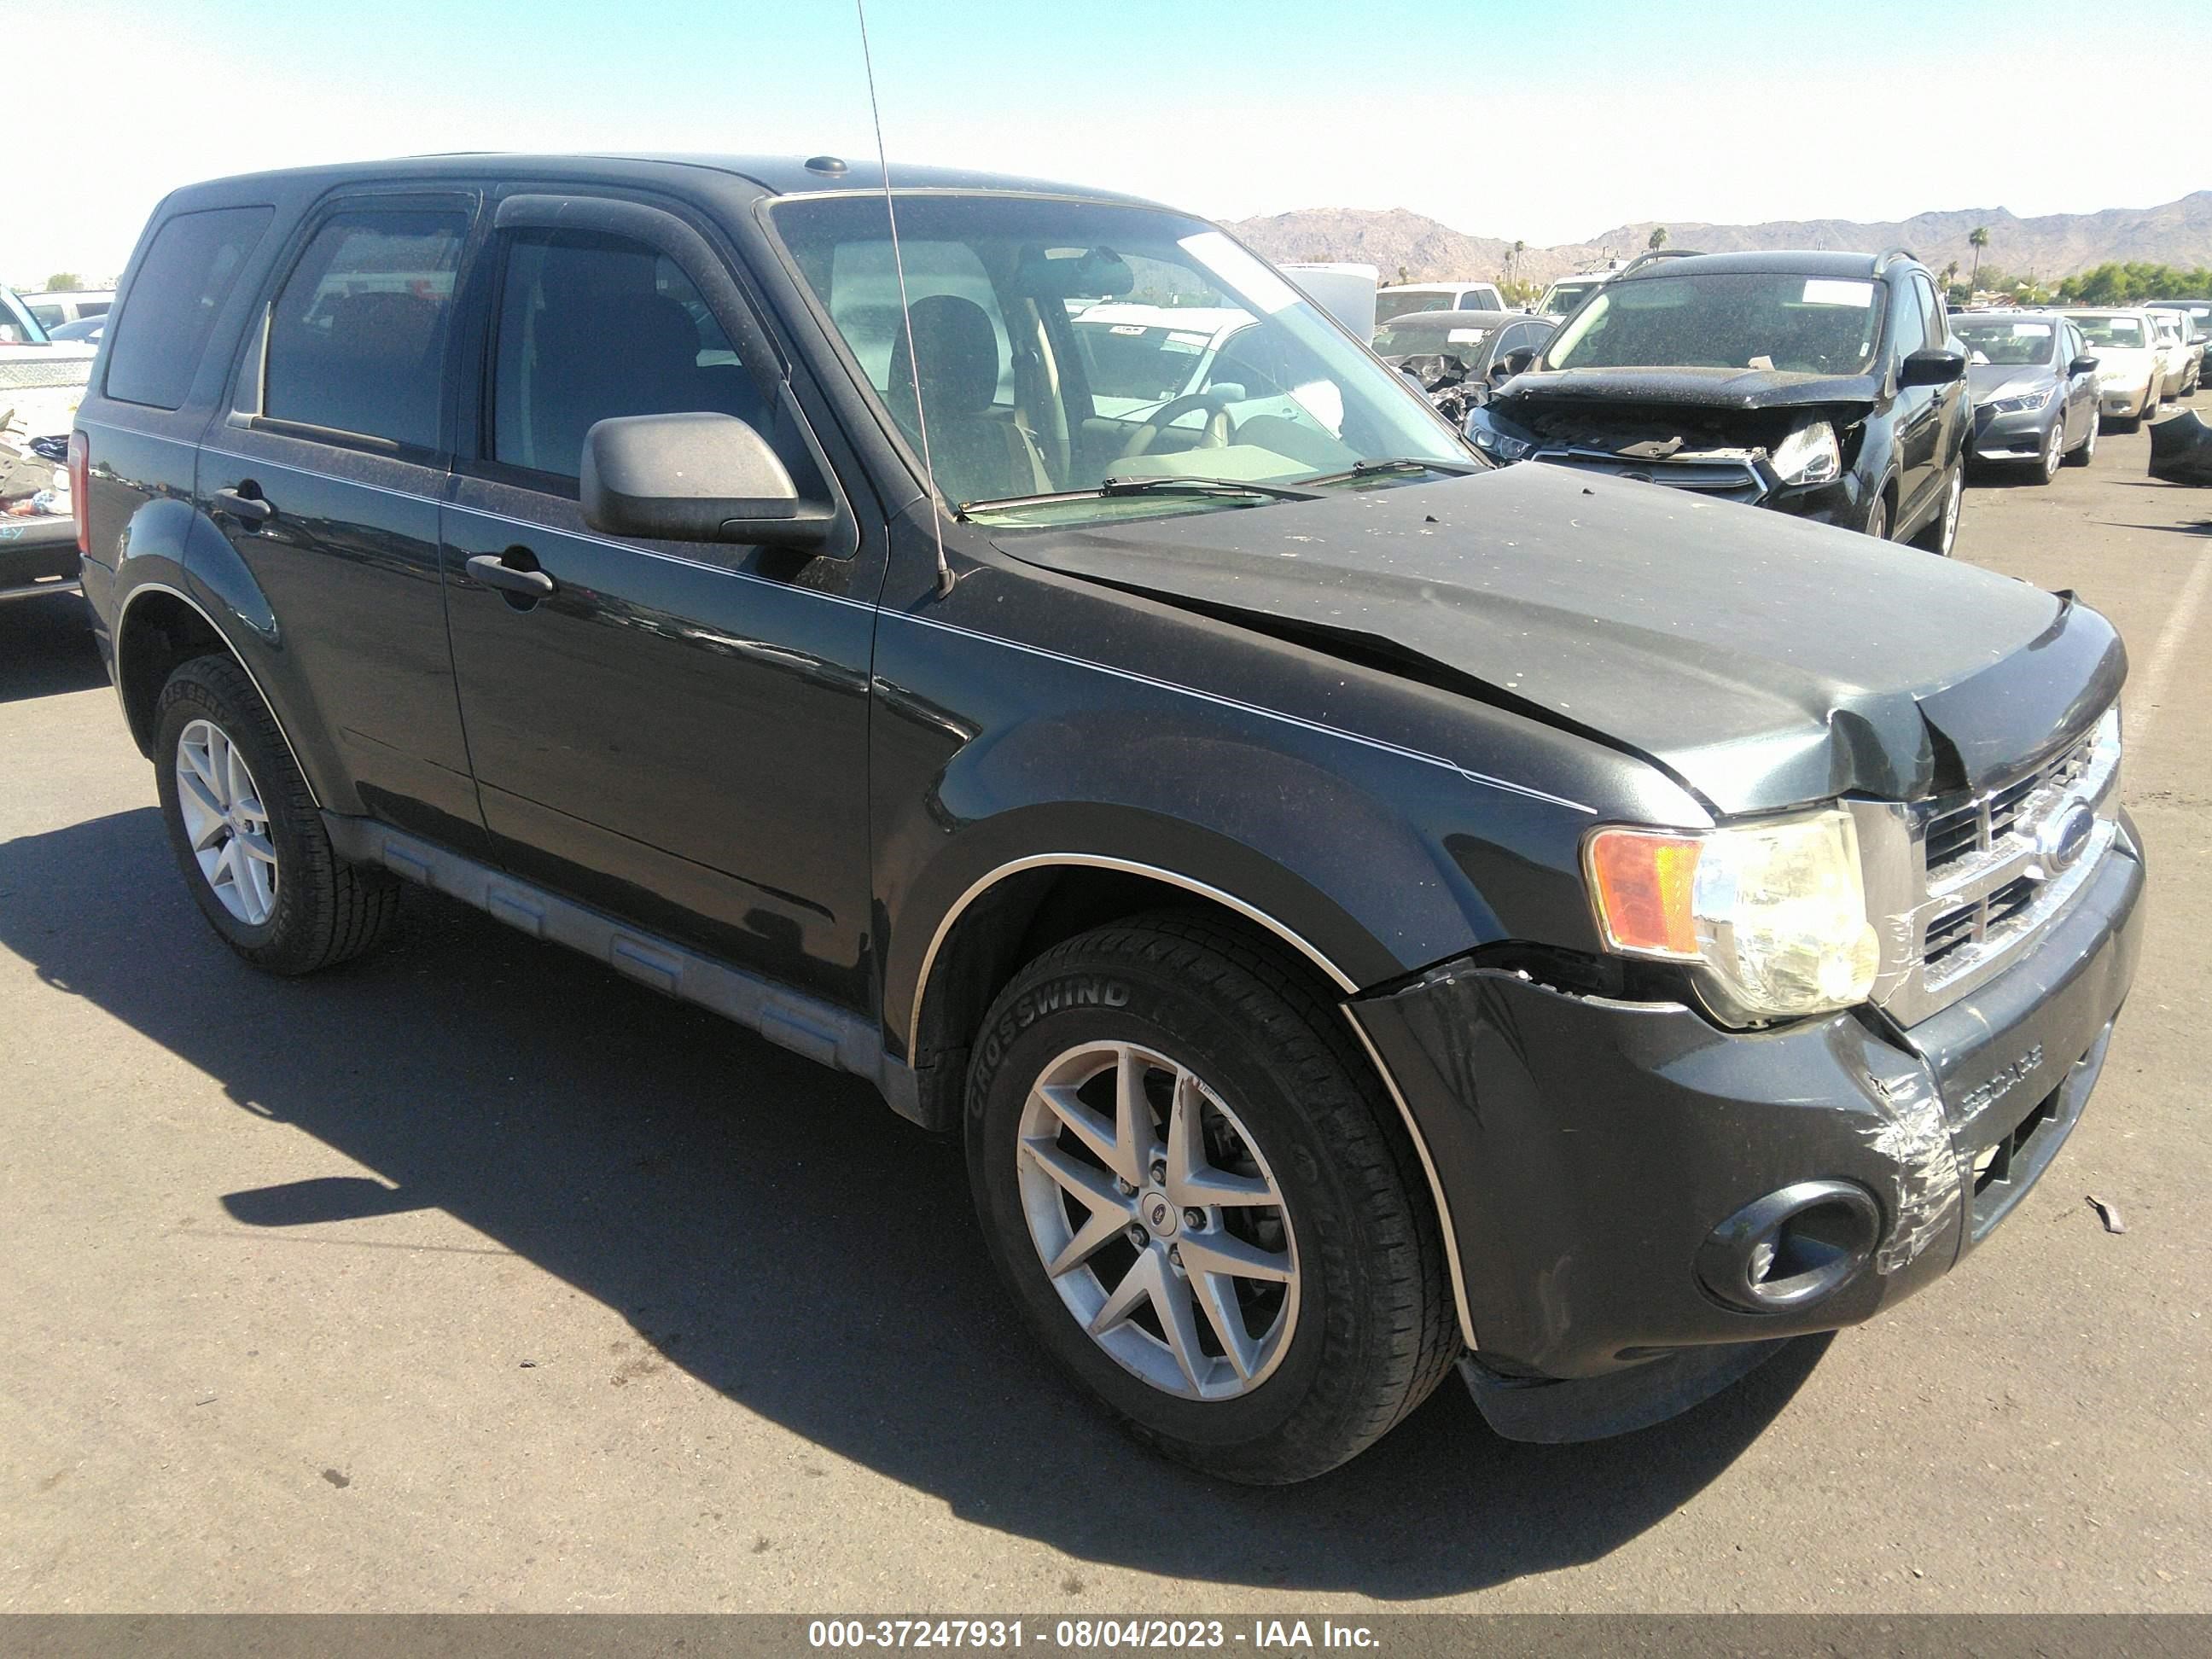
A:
2084, 364
694, 477
1931, 365
1512, 363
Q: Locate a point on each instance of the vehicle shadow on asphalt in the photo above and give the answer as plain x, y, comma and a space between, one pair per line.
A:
46, 648
774, 1230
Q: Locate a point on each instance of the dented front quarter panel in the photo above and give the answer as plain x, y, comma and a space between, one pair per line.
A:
1589, 1146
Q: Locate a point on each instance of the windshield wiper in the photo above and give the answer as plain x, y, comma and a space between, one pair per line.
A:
1167, 484
1396, 464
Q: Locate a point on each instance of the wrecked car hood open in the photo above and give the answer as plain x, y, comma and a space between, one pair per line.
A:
1763, 661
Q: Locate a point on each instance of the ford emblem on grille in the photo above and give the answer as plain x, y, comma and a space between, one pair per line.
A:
2064, 835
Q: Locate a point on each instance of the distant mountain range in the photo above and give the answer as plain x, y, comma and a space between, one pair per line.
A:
2054, 245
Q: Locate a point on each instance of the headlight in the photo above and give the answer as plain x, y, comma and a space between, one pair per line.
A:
1773, 914
1493, 441
2021, 403
1809, 455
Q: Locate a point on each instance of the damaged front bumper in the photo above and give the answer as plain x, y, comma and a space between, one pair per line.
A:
1609, 1166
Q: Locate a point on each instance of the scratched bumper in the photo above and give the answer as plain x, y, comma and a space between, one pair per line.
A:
1588, 1147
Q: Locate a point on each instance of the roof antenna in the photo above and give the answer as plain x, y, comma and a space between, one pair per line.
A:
944, 577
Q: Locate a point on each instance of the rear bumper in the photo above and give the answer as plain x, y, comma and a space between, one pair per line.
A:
38, 555
1591, 1150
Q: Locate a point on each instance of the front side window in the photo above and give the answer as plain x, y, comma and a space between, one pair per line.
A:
1732, 319
591, 327
357, 336
1056, 345
182, 282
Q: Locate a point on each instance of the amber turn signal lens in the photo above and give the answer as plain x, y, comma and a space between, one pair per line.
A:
1642, 880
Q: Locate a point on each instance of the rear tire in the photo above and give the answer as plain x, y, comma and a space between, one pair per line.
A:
250, 841
1211, 1023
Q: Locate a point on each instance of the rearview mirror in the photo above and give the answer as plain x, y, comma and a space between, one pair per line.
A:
1931, 365
2084, 364
694, 477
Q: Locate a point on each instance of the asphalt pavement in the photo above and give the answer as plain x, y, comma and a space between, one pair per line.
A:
472, 1276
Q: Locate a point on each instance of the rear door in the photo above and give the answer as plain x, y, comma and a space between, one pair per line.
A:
326, 474
675, 733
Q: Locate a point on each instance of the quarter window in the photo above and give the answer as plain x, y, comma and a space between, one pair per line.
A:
154, 346
592, 326
357, 339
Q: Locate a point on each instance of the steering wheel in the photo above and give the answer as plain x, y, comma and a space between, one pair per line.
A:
1221, 428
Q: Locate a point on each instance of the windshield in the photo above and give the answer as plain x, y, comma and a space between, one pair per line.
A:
2018, 341
1058, 344
1734, 320
1438, 332
2122, 333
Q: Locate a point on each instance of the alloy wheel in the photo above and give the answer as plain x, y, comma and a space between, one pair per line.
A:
1952, 504
1157, 1220
1877, 523
226, 821
2054, 449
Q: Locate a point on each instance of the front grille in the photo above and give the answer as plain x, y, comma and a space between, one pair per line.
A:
1962, 834
1989, 876
1728, 479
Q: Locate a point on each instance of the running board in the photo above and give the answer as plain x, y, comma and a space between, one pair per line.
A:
823, 1032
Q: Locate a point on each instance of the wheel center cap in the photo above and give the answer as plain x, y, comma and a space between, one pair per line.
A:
1159, 1214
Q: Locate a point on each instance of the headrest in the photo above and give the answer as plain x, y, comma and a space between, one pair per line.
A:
959, 352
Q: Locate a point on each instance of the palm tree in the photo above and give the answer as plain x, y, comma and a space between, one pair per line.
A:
1950, 273
1513, 258
1657, 239
1977, 239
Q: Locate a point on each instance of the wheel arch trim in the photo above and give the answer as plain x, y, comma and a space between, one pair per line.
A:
1252, 913
122, 619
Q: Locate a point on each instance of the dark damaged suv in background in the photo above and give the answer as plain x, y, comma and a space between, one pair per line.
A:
1825, 385
1361, 909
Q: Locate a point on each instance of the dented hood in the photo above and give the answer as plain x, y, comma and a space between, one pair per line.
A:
1763, 660
1688, 388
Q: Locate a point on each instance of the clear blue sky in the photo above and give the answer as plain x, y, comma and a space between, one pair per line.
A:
1548, 121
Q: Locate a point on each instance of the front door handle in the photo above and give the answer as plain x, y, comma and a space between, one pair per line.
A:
506, 573
245, 503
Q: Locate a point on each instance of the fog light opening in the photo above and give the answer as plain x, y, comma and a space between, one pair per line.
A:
1792, 1248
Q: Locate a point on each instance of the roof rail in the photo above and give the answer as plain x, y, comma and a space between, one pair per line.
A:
1881, 260
1656, 254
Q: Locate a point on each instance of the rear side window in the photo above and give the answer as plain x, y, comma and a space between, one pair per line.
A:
592, 326
358, 336
155, 344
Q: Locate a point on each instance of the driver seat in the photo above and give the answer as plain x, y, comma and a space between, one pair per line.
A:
976, 454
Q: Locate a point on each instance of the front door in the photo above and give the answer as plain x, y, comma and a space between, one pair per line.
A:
674, 733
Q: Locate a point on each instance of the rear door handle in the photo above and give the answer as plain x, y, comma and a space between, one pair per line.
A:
245, 503
493, 570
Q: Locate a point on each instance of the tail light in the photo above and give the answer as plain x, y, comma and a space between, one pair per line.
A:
80, 470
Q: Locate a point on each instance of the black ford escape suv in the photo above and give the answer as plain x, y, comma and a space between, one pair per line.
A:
1363, 909
1822, 385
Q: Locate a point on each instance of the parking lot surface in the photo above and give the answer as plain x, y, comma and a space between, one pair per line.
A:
472, 1276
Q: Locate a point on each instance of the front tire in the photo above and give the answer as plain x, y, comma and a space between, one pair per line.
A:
1192, 1187
2054, 453
2086, 451
1941, 533
246, 834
